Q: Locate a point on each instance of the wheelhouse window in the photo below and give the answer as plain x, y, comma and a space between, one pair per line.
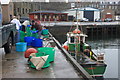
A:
72, 39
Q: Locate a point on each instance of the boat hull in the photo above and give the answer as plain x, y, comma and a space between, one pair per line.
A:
95, 69
91, 65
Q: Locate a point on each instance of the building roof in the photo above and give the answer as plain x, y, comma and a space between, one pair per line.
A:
47, 12
84, 9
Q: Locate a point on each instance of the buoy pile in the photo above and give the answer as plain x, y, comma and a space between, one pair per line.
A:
40, 58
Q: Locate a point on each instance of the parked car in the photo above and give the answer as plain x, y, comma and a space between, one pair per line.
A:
22, 19
7, 34
108, 20
84, 20
98, 20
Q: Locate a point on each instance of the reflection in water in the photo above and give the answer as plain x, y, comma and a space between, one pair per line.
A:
110, 48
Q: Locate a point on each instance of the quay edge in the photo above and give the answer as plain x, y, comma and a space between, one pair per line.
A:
78, 67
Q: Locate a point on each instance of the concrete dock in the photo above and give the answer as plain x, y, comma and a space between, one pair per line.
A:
14, 65
47, 23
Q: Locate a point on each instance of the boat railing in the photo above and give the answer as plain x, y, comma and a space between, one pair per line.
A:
100, 57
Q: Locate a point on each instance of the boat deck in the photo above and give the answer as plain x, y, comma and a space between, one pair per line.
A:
14, 65
86, 59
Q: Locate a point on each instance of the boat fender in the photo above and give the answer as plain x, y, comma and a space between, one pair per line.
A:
65, 47
29, 51
76, 31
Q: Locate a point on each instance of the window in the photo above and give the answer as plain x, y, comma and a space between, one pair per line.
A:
110, 2
100, 2
119, 2
103, 6
15, 11
18, 9
114, 2
10, 7
92, 5
26, 10
0, 9
25, 4
112, 7
29, 10
89, 5
115, 7
109, 7
72, 39
35, 17
23, 10
97, 5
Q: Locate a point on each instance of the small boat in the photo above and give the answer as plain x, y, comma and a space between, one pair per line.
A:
81, 51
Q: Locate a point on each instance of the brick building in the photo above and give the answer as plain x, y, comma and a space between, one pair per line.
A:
7, 11
48, 16
23, 8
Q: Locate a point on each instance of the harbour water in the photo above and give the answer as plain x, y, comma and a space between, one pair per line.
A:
111, 51
107, 44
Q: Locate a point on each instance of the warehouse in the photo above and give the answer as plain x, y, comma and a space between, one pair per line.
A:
48, 16
90, 13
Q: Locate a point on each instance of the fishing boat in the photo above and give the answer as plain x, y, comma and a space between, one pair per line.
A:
76, 45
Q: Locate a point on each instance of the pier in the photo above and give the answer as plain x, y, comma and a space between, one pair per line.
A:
54, 23
14, 65
99, 31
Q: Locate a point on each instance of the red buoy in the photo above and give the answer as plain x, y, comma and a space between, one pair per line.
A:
66, 47
29, 51
76, 31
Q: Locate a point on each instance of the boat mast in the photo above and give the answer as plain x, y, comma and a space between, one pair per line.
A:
78, 56
77, 27
77, 14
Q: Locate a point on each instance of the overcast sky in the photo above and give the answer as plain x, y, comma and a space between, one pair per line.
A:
96, 0
7, 1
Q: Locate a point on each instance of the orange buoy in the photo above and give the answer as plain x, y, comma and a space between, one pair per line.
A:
29, 51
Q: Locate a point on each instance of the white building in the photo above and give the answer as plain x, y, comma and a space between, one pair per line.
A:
87, 12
